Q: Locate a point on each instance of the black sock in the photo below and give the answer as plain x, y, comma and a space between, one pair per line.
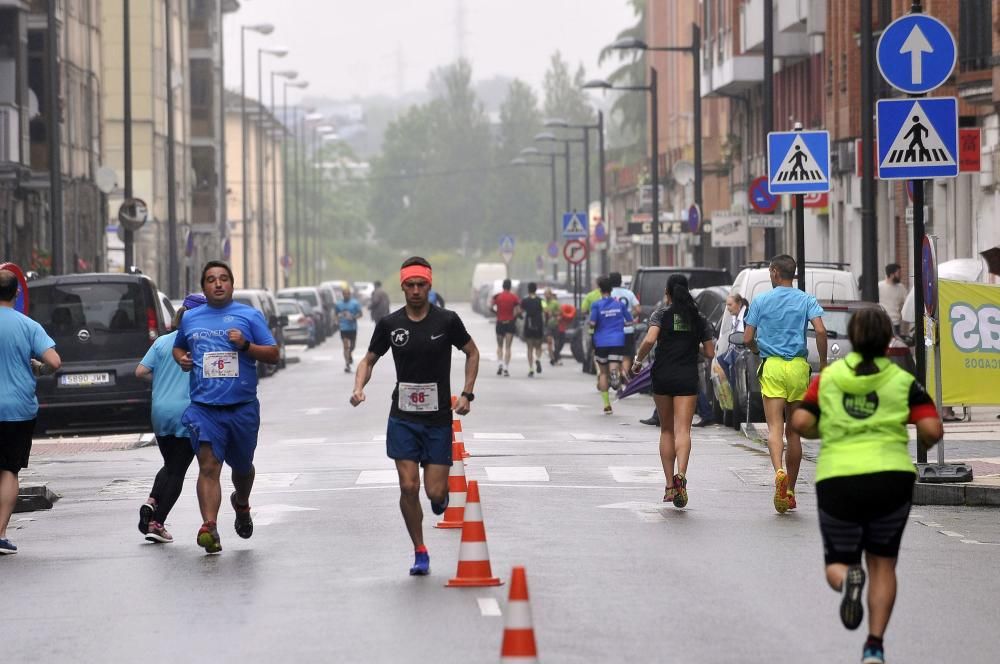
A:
873, 641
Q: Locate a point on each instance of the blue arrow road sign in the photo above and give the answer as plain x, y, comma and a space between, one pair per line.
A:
574, 225
507, 245
798, 162
917, 138
916, 53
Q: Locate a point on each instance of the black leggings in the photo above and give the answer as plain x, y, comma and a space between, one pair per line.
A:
177, 455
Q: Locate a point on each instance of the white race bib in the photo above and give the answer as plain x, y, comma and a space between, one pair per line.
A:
418, 397
220, 364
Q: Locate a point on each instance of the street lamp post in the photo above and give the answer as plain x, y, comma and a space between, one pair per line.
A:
286, 177
280, 133
263, 29
655, 139
694, 50
127, 123
261, 216
173, 266
523, 161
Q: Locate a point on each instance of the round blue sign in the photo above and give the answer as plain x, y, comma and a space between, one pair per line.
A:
761, 199
600, 233
694, 218
553, 250
916, 53
929, 266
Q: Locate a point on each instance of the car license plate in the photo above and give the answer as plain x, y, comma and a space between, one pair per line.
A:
85, 379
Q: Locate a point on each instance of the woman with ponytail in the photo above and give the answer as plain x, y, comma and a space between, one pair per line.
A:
859, 408
677, 329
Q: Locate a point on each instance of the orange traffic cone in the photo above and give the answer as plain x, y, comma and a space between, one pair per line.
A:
518, 632
473, 555
454, 515
456, 431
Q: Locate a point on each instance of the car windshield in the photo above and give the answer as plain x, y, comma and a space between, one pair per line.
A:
304, 296
654, 283
93, 321
288, 309
835, 322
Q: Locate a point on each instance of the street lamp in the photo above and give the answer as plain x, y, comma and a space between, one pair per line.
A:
320, 133
290, 75
522, 160
301, 85
655, 139
262, 29
694, 50
278, 52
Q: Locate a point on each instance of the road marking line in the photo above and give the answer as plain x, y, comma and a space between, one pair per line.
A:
377, 477
597, 437
488, 607
929, 524
498, 436
951, 533
649, 517
302, 441
517, 473
970, 541
379, 438
637, 474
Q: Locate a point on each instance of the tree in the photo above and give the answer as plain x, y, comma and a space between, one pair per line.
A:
630, 109
565, 99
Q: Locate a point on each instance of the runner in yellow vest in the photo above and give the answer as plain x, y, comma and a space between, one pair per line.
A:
859, 407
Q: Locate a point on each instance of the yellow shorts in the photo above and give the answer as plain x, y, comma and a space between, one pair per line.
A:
785, 379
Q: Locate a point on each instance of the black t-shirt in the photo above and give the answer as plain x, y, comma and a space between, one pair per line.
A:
534, 322
421, 351
679, 337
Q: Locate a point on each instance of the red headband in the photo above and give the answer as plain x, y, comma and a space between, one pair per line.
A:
415, 272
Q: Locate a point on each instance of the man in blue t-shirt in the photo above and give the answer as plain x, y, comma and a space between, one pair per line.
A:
775, 326
348, 313
220, 344
608, 317
22, 343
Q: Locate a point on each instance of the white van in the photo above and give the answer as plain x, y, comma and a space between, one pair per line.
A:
486, 273
823, 283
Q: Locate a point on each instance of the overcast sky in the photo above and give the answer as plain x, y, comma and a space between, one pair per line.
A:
363, 47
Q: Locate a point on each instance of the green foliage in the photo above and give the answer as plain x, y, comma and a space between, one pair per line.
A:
630, 110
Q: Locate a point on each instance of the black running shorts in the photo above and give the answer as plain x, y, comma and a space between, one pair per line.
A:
675, 381
15, 444
863, 513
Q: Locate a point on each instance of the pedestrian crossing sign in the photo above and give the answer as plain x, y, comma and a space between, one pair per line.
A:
798, 162
574, 225
917, 138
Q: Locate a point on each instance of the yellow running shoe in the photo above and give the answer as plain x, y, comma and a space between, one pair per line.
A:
791, 500
781, 491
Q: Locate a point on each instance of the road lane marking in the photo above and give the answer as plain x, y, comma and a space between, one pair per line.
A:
377, 477
268, 514
314, 411
488, 607
929, 524
302, 441
570, 407
637, 474
645, 512
498, 436
517, 473
598, 437
951, 533
380, 438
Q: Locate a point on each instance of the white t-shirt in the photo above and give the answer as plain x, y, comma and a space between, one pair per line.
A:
891, 296
628, 298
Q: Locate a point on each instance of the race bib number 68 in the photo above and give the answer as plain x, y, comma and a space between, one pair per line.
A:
418, 397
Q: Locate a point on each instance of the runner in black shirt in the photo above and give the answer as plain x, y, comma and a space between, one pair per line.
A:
534, 328
419, 433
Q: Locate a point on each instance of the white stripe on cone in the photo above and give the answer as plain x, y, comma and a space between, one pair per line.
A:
456, 499
473, 552
474, 511
518, 615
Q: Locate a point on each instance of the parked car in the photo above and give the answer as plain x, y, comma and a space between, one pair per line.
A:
481, 301
264, 302
310, 295
650, 283
487, 273
301, 328
167, 309
330, 293
841, 291
363, 291
102, 324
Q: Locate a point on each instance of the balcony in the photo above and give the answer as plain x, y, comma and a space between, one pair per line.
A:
731, 75
791, 17
10, 134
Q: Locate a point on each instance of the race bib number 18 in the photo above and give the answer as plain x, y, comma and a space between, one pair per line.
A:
418, 397
221, 364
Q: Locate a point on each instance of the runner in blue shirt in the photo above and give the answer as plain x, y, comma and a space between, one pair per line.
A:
171, 397
220, 344
348, 312
22, 343
608, 318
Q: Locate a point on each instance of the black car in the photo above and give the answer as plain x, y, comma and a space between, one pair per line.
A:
650, 283
102, 324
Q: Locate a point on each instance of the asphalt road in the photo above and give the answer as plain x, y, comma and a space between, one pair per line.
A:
574, 495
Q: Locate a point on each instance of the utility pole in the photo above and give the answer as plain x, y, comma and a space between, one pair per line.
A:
173, 268
55, 139
655, 168
127, 123
767, 117
869, 222
696, 108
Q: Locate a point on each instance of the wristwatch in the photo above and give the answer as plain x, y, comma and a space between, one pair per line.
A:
246, 346
469, 395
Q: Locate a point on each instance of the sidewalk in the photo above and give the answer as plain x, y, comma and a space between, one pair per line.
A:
975, 443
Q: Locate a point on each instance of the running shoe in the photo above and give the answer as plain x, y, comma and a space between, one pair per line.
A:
439, 508
680, 490
208, 538
791, 500
538, 366
347, 369
157, 533
668, 495
607, 410
421, 564
145, 515
531, 374
616, 380
873, 655
244, 522
500, 370
506, 373
7, 547
781, 491
851, 609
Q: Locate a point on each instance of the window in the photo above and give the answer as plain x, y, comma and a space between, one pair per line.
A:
975, 38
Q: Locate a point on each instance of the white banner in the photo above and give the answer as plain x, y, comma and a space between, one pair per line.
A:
729, 230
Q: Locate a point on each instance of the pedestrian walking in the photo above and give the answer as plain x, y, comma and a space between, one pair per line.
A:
26, 350
892, 294
379, 303
628, 298
348, 313
608, 318
419, 431
220, 345
171, 397
859, 408
680, 334
505, 304
534, 328
775, 327
551, 309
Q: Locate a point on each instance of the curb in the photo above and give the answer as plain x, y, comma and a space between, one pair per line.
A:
965, 494
34, 497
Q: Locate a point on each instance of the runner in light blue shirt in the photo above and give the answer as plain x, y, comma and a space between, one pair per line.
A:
348, 313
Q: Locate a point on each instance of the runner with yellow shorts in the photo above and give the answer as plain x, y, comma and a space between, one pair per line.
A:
776, 328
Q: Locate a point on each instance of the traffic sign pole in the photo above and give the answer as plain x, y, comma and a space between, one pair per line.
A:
800, 239
919, 349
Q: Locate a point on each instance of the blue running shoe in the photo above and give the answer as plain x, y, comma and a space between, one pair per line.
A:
421, 564
7, 547
873, 655
439, 508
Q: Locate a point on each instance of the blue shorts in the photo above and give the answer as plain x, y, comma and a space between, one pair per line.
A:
413, 441
230, 430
